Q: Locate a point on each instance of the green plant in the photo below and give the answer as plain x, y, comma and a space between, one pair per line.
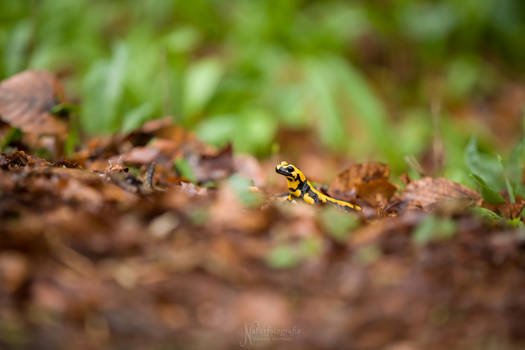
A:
494, 175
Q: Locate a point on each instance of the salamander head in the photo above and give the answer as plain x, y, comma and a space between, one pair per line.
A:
291, 172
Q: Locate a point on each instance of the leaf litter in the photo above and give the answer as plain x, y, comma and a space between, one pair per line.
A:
113, 247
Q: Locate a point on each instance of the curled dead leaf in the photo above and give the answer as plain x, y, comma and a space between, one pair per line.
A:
428, 193
26, 100
368, 181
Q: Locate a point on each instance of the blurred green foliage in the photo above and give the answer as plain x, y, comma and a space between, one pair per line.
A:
13, 135
184, 169
433, 228
288, 255
240, 70
492, 174
242, 188
338, 223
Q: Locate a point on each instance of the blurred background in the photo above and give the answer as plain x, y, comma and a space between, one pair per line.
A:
361, 80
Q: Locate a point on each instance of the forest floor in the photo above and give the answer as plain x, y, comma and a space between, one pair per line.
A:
114, 247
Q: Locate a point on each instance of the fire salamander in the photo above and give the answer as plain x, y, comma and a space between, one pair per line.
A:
300, 187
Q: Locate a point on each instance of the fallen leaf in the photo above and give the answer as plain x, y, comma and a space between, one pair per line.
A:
26, 100
20, 159
183, 138
507, 210
427, 193
214, 166
141, 155
368, 181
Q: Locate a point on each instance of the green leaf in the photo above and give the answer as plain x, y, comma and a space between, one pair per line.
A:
486, 213
256, 132
483, 166
64, 109
515, 167
510, 189
369, 109
427, 22
488, 194
136, 117
182, 40
71, 142
330, 122
183, 167
17, 46
202, 79
462, 76
516, 222
218, 129
492, 216
103, 89
13, 135
251, 131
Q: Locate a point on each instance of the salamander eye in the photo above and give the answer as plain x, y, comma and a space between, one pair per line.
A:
289, 168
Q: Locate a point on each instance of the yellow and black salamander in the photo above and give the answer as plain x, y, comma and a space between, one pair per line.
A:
300, 187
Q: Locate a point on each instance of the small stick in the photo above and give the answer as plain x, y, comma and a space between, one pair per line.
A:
150, 174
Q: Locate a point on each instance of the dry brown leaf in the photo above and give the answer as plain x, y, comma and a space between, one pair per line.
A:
141, 155
26, 100
153, 126
183, 138
162, 151
368, 181
427, 193
213, 166
20, 159
148, 131
507, 210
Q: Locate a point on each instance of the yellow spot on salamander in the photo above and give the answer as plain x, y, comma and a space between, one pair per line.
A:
308, 199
